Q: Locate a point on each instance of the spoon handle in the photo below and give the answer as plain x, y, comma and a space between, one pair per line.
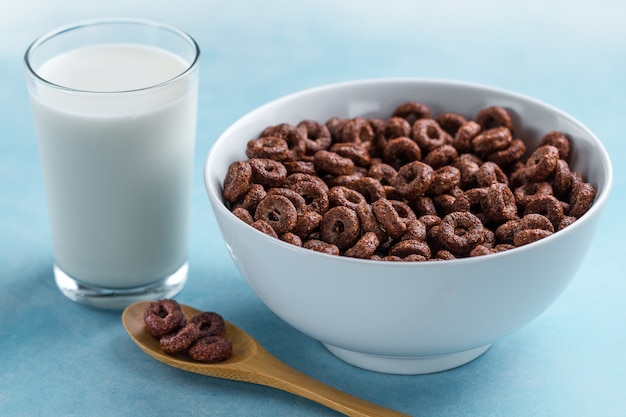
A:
265, 369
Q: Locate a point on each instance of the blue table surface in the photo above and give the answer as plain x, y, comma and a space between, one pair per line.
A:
59, 358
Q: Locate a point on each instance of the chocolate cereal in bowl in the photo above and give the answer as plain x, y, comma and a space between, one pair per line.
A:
407, 224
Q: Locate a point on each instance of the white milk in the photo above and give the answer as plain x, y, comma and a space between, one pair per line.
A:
117, 171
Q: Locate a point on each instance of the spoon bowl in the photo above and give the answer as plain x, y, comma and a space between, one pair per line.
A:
250, 362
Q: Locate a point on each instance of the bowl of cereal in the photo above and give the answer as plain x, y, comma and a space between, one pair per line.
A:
407, 224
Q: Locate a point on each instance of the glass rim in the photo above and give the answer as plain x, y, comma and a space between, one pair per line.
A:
97, 22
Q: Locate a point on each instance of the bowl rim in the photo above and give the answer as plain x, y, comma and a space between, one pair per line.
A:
598, 205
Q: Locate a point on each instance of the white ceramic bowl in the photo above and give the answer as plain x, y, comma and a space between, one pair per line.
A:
403, 317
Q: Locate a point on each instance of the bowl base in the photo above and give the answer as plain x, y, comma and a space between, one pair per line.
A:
407, 365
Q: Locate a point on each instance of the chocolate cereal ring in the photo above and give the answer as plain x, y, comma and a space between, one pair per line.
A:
494, 116
581, 199
408, 247
271, 147
163, 317
414, 179
209, 323
401, 151
268, 172
180, 339
529, 191
500, 203
492, 140
526, 236
321, 246
296, 146
365, 247
332, 163
356, 130
389, 218
344, 196
441, 156
541, 163
512, 153
396, 127
340, 226
547, 205
316, 136
460, 232
412, 111
278, 211
451, 122
264, 227
559, 141
462, 140
237, 181
429, 135
211, 349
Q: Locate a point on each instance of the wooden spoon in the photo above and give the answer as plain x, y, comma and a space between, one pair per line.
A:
250, 362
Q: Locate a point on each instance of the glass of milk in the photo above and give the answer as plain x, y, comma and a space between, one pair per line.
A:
114, 105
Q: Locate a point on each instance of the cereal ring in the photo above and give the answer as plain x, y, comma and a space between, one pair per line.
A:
494, 116
451, 122
243, 215
255, 194
529, 191
332, 163
412, 111
180, 339
268, 172
481, 250
423, 205
302, 167
306, 224
340, 227
500, 203
526, 236
389, 218
365, 247
237, 181
444, 255
542, 163
209, 323
547, 205
414, 179
559, 141
507, 230
296, 199
396, 127
476, 198
315, 194
163, 317
383, 173
264, 227
460, 232
291, 238
369, 222
296, 146
565, 222
536, 221
562, 180
462, 140
211, 349
278, 211
356, 130
444, 179
297, 178
408, 247
581, 199
468, 171
490, 173
321, 246
344, 196
354, 151
492, 140
429, 135
370, 188
316, 136
271, 147
401, 151
415, 230
512, 153
334, 126
443, 155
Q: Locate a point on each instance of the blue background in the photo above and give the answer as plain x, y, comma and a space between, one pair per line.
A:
60, 358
